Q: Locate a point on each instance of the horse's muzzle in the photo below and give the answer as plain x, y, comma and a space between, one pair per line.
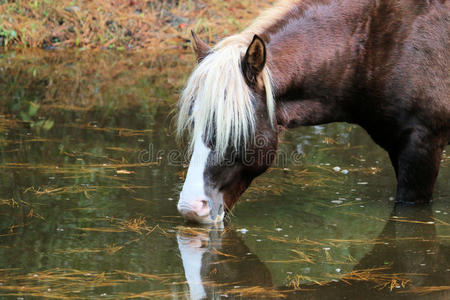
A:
199, 211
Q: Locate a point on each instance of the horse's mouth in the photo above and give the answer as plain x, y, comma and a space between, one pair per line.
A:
205, 209
210, 218
216, 214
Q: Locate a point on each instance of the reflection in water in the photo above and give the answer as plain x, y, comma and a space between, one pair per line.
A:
82, 79
218, 263
410, 248
407, 261
192, 249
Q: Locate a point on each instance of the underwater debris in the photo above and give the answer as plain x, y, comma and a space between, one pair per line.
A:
255, 291
72, 283
376, 276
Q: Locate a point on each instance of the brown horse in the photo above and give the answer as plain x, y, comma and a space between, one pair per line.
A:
381, 64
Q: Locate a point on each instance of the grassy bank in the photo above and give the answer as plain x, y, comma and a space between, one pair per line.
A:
148, 56
120, 24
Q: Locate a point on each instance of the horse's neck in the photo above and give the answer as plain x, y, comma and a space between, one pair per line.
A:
311, 51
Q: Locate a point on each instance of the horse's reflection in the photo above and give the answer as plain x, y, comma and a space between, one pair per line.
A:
217, 261
192, 249
410, 246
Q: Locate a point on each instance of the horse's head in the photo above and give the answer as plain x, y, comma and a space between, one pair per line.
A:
227, 106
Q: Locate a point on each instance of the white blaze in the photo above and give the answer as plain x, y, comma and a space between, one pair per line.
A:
193, 188
194, 204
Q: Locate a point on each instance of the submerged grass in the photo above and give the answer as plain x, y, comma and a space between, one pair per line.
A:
346, 242
74, 168
277, 180
286, 178
255, 291
136, 225
376, 276
380, 277
72, 283
83, 189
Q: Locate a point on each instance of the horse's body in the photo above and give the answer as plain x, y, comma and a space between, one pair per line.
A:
381, 64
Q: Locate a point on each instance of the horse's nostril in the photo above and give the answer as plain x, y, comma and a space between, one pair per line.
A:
194, 210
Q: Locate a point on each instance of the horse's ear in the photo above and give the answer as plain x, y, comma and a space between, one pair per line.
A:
254, 59
200, 47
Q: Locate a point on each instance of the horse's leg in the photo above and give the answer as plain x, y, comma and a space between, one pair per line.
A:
416, 160
394, 162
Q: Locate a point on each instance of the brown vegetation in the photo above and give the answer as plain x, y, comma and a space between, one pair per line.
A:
156, 32
120, 24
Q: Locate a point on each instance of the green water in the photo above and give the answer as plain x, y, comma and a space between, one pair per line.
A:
88, 206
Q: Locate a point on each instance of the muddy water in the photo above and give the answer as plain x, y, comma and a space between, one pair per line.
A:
88, 202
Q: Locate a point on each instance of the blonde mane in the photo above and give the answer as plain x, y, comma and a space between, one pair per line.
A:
216, 95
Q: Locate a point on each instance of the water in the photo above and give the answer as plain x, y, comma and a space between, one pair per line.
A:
88, 200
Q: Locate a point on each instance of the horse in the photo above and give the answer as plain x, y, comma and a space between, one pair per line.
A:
381, 64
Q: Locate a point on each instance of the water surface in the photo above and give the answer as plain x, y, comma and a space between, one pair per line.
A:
88, 200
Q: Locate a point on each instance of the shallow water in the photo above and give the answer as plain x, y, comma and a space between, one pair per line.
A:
88, 207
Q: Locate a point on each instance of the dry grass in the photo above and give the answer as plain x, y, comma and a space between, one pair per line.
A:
76, 284
81, 189
377, 276
121, 24
300, 257
298, 282
404, 220
192, 231
80, 80
327, 243
255, 291
9, 202
137, 225
72, 283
